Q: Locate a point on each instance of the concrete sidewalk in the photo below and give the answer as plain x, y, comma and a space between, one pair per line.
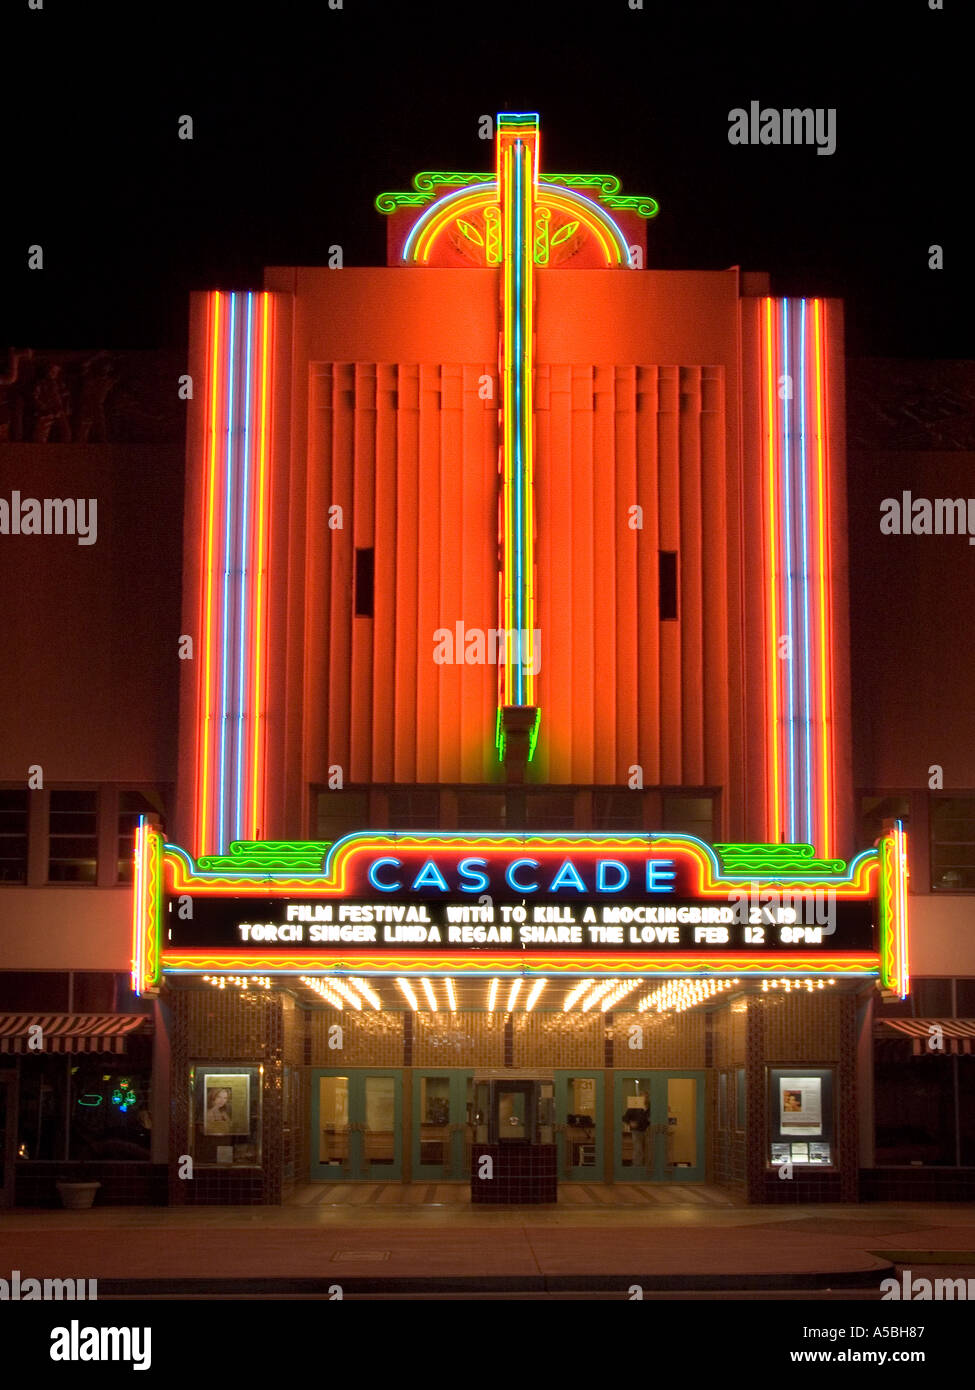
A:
286, 1250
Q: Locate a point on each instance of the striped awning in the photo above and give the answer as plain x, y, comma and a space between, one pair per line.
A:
930, 1037
69, 1032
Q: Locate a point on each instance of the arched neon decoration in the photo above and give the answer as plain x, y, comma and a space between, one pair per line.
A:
434, 220
603, 227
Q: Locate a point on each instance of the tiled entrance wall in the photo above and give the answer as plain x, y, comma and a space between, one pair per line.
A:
270, 1029
478, 1039
728, 1142
789, 1029
294, 1108
233, 1027
659, 1040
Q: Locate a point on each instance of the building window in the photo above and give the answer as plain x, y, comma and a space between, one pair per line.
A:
929, 998
42, 1089
340, 813
364, 582
13, 835
96, 992
689, 815
617, 810
953, 844
915, 1112
110, 1107
965, 998
965, 1074
667, 587
414, 808
73, 837
546, 810
34, 991
85, 1106
481, 810
132, 805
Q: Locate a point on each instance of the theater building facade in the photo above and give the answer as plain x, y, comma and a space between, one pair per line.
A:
514, 840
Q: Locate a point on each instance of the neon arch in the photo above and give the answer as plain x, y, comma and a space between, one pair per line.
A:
605, 229
435, 219
431, 223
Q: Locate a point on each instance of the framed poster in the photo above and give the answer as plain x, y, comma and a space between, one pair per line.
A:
800, 1105
226, 1103
800, 1108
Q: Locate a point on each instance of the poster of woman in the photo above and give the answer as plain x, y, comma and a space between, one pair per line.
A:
801, 1105
226, 1104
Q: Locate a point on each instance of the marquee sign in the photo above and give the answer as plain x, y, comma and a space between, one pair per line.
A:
382, 902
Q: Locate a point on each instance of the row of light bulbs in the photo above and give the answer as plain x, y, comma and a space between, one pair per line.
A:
240, 981
607, 994
677, 995
339, 992
789, 985
494, 989
674, 996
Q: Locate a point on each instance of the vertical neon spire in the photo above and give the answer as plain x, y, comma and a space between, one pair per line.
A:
517, 143
895, 975
799, 605
233, 590
147, 899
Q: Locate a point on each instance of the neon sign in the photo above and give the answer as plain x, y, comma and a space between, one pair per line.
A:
447, 902
799, 619
231, 708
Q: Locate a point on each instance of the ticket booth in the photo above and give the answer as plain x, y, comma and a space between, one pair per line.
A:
514, 1156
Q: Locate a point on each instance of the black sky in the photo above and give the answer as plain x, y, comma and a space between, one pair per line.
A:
302, 115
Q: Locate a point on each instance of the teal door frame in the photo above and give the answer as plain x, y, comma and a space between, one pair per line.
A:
456, 1167
357, 1166
656, 1169
567, 1136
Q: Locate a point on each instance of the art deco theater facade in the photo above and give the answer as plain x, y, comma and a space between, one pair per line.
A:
514, 837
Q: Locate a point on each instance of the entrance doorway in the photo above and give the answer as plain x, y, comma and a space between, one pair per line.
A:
659, 1126
443, 1119
579, 1116
357, 1121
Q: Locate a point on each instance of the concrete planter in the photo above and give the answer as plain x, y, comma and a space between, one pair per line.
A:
77, 1196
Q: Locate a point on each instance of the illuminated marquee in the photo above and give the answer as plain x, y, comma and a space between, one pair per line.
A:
442, 903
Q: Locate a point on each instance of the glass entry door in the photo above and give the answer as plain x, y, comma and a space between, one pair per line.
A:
443, 1118
579, 1115
659, 1126
357, 1125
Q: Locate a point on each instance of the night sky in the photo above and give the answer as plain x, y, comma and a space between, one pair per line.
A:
302, 115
